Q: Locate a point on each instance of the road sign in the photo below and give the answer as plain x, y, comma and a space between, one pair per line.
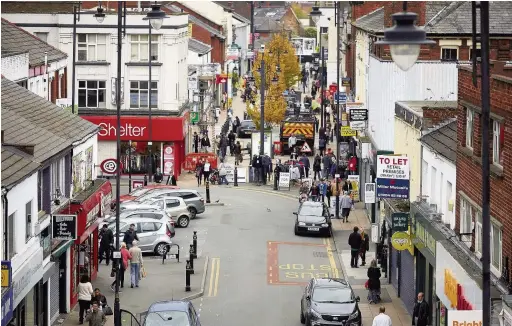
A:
340, 97
348, 132
110, 166
358, 114
305, 148
194, 117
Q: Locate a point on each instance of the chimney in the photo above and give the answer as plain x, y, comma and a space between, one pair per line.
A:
393, 7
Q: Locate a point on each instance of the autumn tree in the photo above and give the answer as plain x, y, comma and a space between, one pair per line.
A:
275, 106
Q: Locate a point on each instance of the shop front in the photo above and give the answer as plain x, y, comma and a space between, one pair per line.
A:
140, 141
90, 206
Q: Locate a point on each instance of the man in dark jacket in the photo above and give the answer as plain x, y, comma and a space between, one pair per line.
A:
421, 311
231, 142
256, 167
304, 160
327, 162
130, 235
354, 241
196, 142
365, 246
107, 238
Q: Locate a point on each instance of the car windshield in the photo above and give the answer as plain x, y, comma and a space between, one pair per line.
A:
167, 318
333, 295
308, 210
247, 124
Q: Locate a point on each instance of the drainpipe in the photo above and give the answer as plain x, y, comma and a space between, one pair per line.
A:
5, 203
48, 90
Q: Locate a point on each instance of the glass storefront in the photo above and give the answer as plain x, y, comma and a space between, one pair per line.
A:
139, 161
85, 262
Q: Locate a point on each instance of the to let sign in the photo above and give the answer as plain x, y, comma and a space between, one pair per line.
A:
393, 176
64, 227
400, 222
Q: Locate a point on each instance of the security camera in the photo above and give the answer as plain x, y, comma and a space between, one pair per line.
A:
262, 47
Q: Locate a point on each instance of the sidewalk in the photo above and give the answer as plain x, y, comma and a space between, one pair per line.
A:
357, 276
163, 282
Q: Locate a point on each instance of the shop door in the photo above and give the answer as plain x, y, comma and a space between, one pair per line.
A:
62, 284
407, 277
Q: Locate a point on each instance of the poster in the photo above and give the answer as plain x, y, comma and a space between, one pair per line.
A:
354, 180
168, 160
284, 180
369, 193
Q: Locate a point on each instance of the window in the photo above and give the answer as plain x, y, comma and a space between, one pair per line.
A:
28, 220
496, 247
148, 227
478, 233
40, 191
42, 35
170, 203
92, 47
498, 140
140, 47
188, 195
92, 94
424, 174
449, 54
470, 115
466, 214
57, 175
433, 186
11, 246
478, 53
139, 94
324, 30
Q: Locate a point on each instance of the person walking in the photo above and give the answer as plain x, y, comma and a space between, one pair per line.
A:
136, 263
107, 239
347, 186
205, 144
196, 142
346, 204
222, 174
304, 160
199, 173
373, 287
130, 235
85, 293
421, 311
99, 298
317, 167
96, 317
365, 246
125, 258
322, 187
238, 153
313, 192
327, 162
354, 241
231, 142
266, 162
328, 193
207, 169
292, 141
382, 319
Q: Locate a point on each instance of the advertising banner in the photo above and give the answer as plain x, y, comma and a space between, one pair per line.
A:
354, 180
284, 180
168, 160
393, 176
369, 193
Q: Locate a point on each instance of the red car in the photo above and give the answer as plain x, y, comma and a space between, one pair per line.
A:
140, 192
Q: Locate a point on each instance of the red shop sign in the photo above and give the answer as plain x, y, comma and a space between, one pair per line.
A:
137, 128
221, 79
333, 88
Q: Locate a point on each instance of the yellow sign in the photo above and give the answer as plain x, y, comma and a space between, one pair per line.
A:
348, 132
6, 275
450, 287
400, 241
190, 30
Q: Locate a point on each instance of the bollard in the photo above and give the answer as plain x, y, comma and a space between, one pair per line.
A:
192, 257
145, 180
235, 182
187, 276
194, 241
207, 191
276, 176
164, 254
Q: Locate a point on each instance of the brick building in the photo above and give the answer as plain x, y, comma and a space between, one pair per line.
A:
270, 20
469, 179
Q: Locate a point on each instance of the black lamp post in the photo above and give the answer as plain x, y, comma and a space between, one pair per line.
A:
338, 27
405, 40
315, 15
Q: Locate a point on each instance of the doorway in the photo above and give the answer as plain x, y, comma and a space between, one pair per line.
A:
62, 284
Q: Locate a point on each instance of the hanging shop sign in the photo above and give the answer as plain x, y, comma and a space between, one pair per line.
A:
358, 125
400, 241
221, 78
400, 222
358, 114
64, 227
345, 82
393, 176
232, 52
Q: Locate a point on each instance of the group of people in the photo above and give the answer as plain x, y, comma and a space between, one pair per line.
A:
201, 143
262, 168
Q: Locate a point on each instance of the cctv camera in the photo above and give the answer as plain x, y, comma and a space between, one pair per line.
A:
262, 47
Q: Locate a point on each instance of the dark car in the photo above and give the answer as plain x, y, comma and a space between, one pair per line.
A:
329, 301
172, 313
246, 129
313, 218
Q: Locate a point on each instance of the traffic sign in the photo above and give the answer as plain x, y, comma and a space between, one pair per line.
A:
110, 166
194, 117
305, 148
340, 97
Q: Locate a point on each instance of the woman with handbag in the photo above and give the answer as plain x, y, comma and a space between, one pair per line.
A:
373, 283
125, 257
85, 294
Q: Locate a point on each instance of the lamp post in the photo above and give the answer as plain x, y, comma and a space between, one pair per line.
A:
156, 19
315, 15
338, 27
404, 40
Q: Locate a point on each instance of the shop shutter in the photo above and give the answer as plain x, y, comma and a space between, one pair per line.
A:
54, 294
392, 267
408, 282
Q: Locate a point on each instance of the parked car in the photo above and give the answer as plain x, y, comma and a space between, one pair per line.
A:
157, 214
329, 301
247, 127
192, 198
154, 235
142, 191
172, 313
174, 207
313, 218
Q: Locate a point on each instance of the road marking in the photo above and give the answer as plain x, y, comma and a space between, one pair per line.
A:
330, 256
268, 193
214, 277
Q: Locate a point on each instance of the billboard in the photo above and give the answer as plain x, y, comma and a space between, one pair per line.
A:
304, 45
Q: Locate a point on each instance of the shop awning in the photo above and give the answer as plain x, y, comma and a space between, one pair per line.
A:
61, 248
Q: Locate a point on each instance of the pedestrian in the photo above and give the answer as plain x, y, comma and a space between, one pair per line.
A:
130, 235
292, 141
317, 167
365, 246
136, 263
347, 186
421, 311
174, 181
207, 169
99, 298
123, 266
328, 193
321, 145
231, 141
354, 241
266, 162
304, 160
238, 153
313, 192
158, 176
107, 239
256, 166
223, 146
323, 190
222, 174
199, 172
382, 319
196, 142
85, 293
346, 204
205, 144
96, 317
327, 162
373, 283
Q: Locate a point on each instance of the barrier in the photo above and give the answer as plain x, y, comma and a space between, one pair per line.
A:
191, 159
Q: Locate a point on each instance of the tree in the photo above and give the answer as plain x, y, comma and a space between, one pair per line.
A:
301, 14
275, 106
310, 32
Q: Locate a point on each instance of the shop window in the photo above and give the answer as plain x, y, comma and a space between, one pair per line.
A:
28, 220
478, 233
139, 91
498, 140
450, 53
46, 242
92, 94
496, 249
138, 161
139, 45
470, 117
92, 47
466, 220
85, 262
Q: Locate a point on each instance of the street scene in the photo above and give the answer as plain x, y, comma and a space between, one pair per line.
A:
228, 163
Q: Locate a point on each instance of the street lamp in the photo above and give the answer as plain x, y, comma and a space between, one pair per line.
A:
405, 39
156, 16
315, 14
99, 15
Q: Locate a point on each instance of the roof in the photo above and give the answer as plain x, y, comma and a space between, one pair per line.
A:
169, 305
448, 17
195, 20
198, 46
236, 15
312, 203
338, 282
443, 139
16, 166
19, 40
268, 19
37, 7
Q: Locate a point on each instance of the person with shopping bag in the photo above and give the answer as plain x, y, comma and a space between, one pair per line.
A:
136, 263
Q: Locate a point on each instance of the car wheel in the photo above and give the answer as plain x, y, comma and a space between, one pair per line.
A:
161, 248
302, 319
193, 212
296, 231
183, 222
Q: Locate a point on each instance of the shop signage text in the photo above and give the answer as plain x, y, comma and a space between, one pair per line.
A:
127, 129
358, 114
27, 276
400, 222
64, 227
393, 176
425, 238
465, 318
455, 293
284, 180
93, 213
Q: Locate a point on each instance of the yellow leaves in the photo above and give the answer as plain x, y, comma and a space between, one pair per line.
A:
275, 106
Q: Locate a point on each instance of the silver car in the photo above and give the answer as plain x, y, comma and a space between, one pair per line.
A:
174, 207
156, 214
154, 235
192, 198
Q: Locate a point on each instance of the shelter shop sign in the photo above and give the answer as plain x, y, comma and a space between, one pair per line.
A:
393, 176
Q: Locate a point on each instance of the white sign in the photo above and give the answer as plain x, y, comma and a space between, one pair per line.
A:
192, 83
232, 53
369, 193
27, 275
375, 233
303, 45
353, 105
255, 142
450, 278
240, 173
284, 180
465, 318
358, 125
393, 167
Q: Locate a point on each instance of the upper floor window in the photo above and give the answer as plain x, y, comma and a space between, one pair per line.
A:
470, 115
139, 94
498, 140
466, 218
140, 47
92, 47
478, 53
28, 220
11, 247
450, 53
92, 94
43, 36
57, 179
40, 191
496, 248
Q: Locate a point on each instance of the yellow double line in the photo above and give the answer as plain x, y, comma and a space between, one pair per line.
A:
214, 277
330, 256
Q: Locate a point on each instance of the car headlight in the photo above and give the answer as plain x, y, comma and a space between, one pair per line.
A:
315, 314
325, 225
302, 223
354, 315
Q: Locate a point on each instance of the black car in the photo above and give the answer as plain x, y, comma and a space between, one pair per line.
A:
313, 218
246, 128
329, 301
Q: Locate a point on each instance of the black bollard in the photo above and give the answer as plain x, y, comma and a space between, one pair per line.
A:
192, 257
235, 182
187, 276
145, 180
276, 176
164, 254
194, 241
207, 191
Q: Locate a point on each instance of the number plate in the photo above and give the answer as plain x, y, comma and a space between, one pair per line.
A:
313, 229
